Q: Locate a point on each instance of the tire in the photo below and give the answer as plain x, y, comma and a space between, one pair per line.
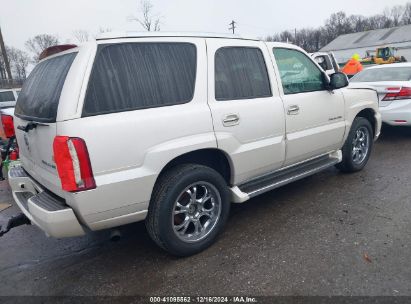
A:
355, 160
176, 227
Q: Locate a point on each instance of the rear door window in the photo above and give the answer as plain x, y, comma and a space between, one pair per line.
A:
240, 73
133, 76
39, 97
7, 96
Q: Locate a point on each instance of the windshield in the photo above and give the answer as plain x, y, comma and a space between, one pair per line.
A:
40, 94
383, 74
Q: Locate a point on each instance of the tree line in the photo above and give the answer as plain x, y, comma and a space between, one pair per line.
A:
310, 39
21, 59
313, 39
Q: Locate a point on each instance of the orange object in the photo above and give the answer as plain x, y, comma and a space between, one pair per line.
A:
352, 67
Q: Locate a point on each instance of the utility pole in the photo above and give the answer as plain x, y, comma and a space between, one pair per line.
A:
233, 27
5, 58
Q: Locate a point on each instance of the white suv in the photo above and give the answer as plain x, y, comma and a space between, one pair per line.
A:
171, 128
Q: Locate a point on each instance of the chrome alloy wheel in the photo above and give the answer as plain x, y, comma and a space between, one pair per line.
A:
196, 212
360, 145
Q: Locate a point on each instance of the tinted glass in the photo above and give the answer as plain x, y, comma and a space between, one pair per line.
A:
134, 76
40, 94
383, 74
298, 73
240, 73
7, 96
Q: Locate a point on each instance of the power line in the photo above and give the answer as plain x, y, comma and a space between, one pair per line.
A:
233, 27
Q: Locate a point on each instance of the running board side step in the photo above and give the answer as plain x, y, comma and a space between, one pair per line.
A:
285, 176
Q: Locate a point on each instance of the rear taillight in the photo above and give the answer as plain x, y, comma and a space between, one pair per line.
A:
397, 94
73, 164
8, 125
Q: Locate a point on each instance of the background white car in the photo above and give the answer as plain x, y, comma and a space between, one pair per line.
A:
393, 85
8, 97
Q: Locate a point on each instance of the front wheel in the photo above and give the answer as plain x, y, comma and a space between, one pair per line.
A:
189, 208
357, 148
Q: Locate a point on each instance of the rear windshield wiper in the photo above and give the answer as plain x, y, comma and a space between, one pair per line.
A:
30, 126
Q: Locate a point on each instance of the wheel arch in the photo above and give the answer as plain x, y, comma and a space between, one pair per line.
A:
210, 157
369, 114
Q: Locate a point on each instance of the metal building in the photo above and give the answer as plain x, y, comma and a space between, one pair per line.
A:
345, 46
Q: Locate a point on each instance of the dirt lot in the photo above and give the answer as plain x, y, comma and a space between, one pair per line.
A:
329, 234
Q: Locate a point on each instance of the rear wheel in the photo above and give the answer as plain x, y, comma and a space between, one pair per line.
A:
189, 208
357, 148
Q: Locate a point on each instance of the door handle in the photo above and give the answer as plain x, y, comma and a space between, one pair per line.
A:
231, 120
293, 110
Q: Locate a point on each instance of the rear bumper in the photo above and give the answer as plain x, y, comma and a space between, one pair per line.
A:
397, 113
45, 210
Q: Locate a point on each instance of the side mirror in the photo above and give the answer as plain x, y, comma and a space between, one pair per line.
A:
338, 80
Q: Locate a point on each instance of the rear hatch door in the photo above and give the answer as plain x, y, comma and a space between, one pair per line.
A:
35, 118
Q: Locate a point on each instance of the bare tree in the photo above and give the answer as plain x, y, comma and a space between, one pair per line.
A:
39, 43
148, 20
396, 14
19, 60
406, 16
358, 23
3, 74
101, 30
81, 35
104, 30
339, 23
379, 22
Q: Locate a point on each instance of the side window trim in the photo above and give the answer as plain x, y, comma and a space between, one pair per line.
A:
266, 73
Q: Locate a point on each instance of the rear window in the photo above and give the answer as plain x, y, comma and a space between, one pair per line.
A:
383, 74
40, 94
133, 76
7, 96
